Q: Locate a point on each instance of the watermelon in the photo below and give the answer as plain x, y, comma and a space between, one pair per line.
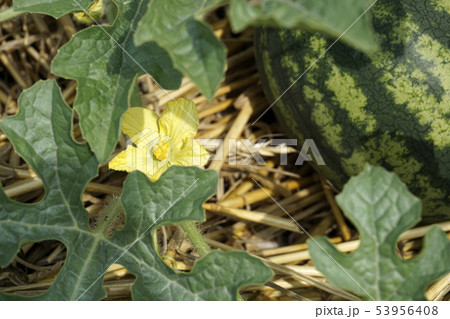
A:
389, 108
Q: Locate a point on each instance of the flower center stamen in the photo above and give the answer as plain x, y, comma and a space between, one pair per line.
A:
161, 150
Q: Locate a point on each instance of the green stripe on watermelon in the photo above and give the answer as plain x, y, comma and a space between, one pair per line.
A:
390, 109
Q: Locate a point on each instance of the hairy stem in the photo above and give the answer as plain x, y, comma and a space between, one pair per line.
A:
200, 245
109, 217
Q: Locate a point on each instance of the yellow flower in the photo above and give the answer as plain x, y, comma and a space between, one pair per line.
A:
161, 141
94, 12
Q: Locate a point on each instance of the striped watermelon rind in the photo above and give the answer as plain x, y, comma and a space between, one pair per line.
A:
391, 108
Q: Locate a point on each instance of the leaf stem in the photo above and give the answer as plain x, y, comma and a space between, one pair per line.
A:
200, 245
9, 14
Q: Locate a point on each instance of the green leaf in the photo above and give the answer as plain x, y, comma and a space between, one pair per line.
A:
194, 48
330, 17
55, 8
105, 63
382, 208
41, 134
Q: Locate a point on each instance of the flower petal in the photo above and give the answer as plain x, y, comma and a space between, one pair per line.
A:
142, 159
129, 160
139, 123
119, 162
190, 154
179, 120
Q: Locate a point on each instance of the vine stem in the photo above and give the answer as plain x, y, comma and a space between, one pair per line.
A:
109, 217
200, 244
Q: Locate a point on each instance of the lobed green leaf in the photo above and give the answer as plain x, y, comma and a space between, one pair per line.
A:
382, 208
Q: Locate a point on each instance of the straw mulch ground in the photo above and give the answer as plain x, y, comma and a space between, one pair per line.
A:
243, 215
